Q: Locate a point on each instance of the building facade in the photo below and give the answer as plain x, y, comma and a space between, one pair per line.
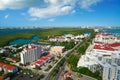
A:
103, 56
30, 54
57, 49
8, 68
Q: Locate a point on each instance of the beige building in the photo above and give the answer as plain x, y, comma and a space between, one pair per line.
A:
57, 49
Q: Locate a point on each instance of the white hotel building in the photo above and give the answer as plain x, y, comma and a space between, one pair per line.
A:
30, 54
103, 56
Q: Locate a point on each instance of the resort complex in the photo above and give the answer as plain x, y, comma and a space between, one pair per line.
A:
103, 56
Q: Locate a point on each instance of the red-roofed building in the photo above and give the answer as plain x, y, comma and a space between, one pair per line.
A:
14, 60
1, 77
42, 61
104, 47
39, 63
106, 38
8, 68
103, 56
117, 44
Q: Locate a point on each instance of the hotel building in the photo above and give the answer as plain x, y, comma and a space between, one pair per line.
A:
103, 55
30, 54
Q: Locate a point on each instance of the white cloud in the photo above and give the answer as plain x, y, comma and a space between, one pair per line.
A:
47, 8
54, 8
50, 11
86, 4
63, 7
17, 4
6, 16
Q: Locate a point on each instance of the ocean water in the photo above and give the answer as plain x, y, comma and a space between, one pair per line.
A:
113, 31
13, 31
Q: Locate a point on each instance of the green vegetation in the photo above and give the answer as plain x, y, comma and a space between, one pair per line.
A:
86, 71
68, 45
56, 69
28, 71
60, 31
1, 72
9, 74
82, 49
41, 77
72, 59
5, 39
68, 78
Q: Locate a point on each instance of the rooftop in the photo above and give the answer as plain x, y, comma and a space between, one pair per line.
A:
1, 77
7, 66
58, 47
31, 47
43, 59
104, 46
115, 44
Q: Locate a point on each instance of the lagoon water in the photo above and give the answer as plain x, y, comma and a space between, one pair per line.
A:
19, 41
24, 41
36, 37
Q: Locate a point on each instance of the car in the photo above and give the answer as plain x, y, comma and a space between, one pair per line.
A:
31, 76
24, 73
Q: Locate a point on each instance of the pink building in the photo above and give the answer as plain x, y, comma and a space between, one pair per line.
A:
57, 49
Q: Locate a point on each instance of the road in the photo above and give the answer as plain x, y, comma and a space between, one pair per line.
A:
65, 53
60, 70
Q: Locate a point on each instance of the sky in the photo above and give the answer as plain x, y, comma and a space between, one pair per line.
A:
59, 13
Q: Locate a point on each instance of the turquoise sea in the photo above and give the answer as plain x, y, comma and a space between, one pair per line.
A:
112, 31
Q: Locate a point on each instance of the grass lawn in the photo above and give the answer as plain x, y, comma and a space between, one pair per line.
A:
44, 33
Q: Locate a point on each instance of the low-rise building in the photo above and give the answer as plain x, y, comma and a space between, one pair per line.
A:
8, 68
42, 61
57, 49
106, 38
1, 77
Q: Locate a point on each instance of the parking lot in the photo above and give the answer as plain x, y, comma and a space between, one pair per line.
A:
25, 76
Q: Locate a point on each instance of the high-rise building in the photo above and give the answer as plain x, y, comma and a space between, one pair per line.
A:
103, 56
30, 54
